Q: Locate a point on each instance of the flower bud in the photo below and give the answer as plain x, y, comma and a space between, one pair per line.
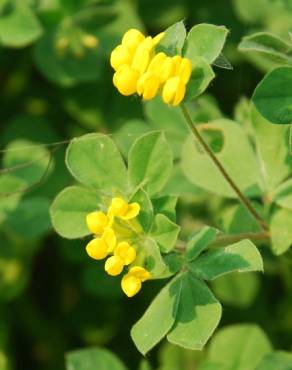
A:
120, 56
114, 265
96, 222
148, 85
132, 38
97, 249
173, 91
140, 272
125, 80
131, 285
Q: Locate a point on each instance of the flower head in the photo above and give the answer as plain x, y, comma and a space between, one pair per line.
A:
132, 281
120, 208
125, 80
174, 91
97, 222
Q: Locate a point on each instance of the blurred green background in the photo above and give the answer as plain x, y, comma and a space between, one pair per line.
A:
55, 86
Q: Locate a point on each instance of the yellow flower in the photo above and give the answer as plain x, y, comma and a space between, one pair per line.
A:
132, 38
124, 254
142, 55
125, 80
183, 68
97, 222
99, 248
148, 85
120, 56
173, 91
120, 208
163, 66
89, 41
132, 281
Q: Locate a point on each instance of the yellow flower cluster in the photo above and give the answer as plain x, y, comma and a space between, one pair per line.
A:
138, 69
110, 231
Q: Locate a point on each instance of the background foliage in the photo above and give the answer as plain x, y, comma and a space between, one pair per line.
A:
54, 299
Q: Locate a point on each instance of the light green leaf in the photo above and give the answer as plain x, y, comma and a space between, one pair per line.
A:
273, 96
272, 148
29, 161
206, 41
31, 219
95, 161
283, 195
165, 232
279, 360
237, 290
242, 257
197, 317
69, 210
236, 155
158, 318
145, 216
20, 27
202, 75
166, 205
281, 230
150, 162
247, 344
209, 365
200, 241
250, 11
271, 47
173, 264
93, 359
173, 40
153, 260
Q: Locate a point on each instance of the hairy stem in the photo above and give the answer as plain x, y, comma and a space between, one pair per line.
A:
245, 201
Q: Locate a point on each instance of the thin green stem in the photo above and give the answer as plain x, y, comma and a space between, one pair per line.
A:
245, 201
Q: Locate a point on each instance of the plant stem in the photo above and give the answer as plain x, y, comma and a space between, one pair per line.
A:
245, 201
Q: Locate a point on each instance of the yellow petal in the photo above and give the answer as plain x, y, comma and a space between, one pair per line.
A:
118, 207
156, 62
167, 69
132, 38
148, 85
125, 80
185, 70
131, 285
132, 211
140, 273
177, 62
141, 60
120, 56
126, 252
96, 222
97, 249
173, 91
109, 238
158, 38
114, 265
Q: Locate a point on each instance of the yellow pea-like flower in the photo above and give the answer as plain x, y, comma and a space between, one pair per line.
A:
110, 239
163, 66
97, 249
125, 252
120, 56
173, 91
132, 281
120, 208
148, 85
132, 38
141, 59
114, 265
89, 41
97, 222
125, 80
183, 68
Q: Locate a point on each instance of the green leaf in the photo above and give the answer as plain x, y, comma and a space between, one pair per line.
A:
173, 40
206, 41
283, 195
29, 161
281, 230
236, 155
279, 360
95, 161
150, 162
173, 264
247, 345
267, 45
69, 210
197, 317
166, 205
20, 27
31, 219
202, 75
273, 96
158, 318
242, 257
93, 359
145, 216
237, 290
165, 232
153, 260
200, 241
272, 148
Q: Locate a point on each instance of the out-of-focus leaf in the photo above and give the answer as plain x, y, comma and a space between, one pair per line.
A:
281, 230
279, 360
